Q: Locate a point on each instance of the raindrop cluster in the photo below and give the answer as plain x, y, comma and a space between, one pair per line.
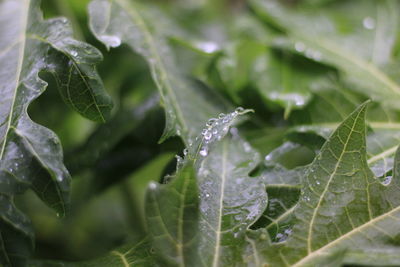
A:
217, 128
214, 130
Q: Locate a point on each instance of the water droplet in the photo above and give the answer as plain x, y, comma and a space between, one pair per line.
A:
208, 47
288, 231
185, 151
204, 131
203, 151
268, 157
318, 183
152, 185
234, 131
387, 180
246, 147
110, 40
316, 55
369, 23
207, 135
309, 53
207, 195
299, 47
74, 53
215, 131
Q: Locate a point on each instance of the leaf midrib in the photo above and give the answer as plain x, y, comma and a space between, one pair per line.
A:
139, 22
18, 74
310, 232
315, 253
121, 257
180, 242
220, 208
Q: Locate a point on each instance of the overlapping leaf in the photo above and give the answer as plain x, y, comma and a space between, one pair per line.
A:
199, 218
330, 106
185, 105
31, 155
213, 226
172, 216
343, 207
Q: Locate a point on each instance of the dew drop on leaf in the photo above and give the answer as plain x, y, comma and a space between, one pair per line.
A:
299, 47
207, 135
387, 180
152, 185
369, 23
203, 151
208, 47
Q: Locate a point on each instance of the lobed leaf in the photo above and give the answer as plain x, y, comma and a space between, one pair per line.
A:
342, 206
30, 154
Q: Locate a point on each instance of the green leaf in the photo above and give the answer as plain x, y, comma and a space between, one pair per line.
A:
16, 234
185, 105
230, 201
285, 79
281, 77
172, 216
210, 231
357, 37
30, 154
283, 189
342, 205
138, 255
330, 106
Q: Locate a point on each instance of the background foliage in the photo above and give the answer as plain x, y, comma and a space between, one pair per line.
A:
151, 163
